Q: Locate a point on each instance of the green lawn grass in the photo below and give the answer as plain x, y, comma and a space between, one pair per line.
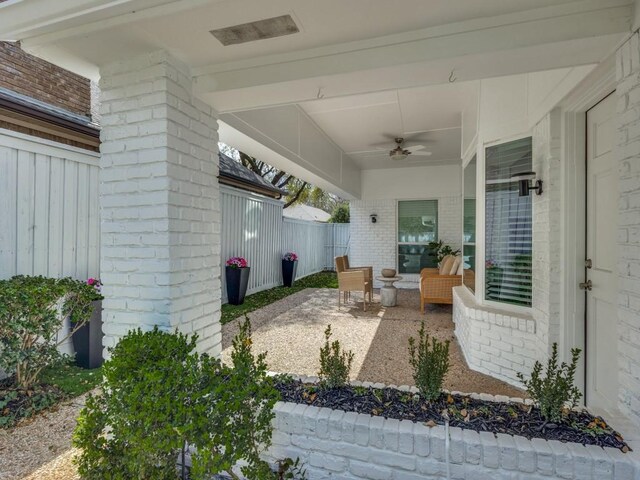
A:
71, 379
261, 299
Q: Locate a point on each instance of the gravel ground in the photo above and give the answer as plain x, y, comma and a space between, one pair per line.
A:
291, 330
40, 448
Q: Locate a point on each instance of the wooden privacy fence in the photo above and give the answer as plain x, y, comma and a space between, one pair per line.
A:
50, 218
253, 227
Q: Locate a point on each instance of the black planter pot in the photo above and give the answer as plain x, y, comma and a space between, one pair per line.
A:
87, 340
289, 268
237, 281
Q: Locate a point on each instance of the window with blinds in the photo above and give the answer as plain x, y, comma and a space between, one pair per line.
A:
417, 226
508, 220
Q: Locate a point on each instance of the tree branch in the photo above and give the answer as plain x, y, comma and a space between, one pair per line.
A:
295, 198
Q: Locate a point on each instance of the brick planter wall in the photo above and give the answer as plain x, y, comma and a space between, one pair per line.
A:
493, 342
347, 445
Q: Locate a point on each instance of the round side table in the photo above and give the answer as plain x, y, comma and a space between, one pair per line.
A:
388, 293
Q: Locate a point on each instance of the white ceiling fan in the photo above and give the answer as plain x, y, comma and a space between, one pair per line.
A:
402, 150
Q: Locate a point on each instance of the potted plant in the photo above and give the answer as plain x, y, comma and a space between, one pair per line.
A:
87, 340
289, 267
237, 276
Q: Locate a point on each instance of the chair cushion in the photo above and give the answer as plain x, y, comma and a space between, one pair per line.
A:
446, 264
455, 266
460, 267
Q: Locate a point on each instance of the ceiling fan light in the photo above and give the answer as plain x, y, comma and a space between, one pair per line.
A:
396, 155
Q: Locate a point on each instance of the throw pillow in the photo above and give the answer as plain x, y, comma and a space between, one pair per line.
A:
455, 266
445, 265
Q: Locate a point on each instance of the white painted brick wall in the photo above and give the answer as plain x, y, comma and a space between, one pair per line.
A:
547, 229
501, 343
160, 202
628, 155
494, 342
375, 244
334, 444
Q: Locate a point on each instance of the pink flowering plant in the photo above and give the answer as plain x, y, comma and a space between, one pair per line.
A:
237, 262
290, 257
489, 264
96, 283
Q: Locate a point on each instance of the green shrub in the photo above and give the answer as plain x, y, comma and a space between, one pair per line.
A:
556, 391
335, 364
30, 318
160, 397
429, 365
242, 412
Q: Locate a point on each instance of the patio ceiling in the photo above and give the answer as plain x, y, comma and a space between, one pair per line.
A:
380, 67
431, 115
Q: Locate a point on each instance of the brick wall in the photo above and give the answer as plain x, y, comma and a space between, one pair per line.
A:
376, 243
348, 445
160, 202
39, 79
497, 343
628, 155
547, 229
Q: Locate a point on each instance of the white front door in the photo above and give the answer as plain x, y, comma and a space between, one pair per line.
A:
602, 207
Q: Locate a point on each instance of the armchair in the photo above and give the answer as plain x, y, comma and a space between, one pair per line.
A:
436, 287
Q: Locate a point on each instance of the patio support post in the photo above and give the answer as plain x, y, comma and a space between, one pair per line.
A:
159, 198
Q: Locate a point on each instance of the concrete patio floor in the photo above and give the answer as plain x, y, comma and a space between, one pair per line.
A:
291, 330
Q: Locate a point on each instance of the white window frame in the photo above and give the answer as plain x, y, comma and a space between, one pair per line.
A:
465, 162
481, 230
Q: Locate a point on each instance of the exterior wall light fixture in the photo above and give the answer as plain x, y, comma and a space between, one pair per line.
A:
374, 218
524, 180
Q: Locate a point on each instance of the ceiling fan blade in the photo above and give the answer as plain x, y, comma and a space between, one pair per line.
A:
415, 148
423, 154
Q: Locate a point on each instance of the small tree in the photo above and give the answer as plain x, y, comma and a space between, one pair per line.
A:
430, 365
556, 390
335, 364
32, 310
340, 214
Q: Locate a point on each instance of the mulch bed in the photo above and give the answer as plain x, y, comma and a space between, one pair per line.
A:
16, 404
464, 412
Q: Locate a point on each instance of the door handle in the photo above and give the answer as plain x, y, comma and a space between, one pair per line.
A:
586, 285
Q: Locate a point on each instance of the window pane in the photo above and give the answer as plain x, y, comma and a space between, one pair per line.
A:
469, 226
417, 221
508, 219
417, 226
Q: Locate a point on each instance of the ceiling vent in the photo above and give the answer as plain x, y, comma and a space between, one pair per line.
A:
260, 30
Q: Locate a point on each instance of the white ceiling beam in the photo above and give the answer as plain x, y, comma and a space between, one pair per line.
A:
575, 21
572, 53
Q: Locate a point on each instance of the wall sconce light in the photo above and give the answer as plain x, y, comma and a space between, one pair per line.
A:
524, 183
374, 218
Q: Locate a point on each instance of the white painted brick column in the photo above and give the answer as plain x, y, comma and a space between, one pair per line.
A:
628, 248
159, 200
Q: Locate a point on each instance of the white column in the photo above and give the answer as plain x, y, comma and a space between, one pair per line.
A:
159, 200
